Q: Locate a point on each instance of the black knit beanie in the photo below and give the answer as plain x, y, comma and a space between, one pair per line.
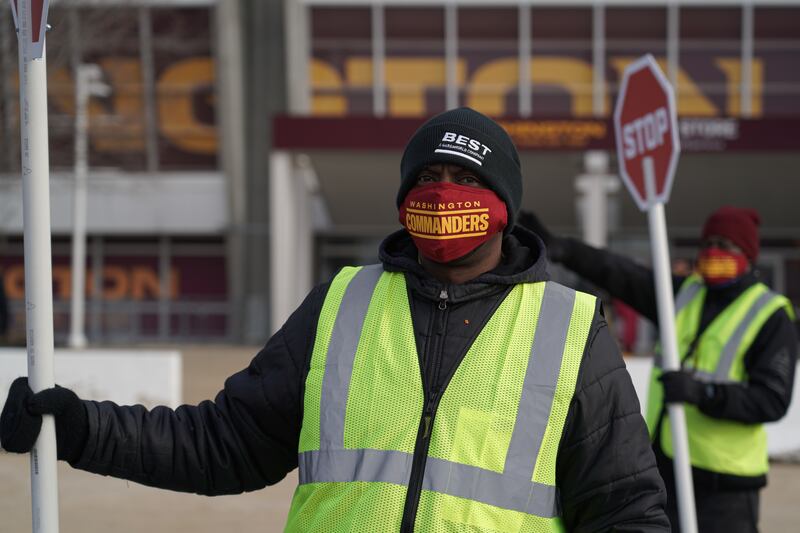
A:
471, 140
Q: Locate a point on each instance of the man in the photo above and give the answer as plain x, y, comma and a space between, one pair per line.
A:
450, 388
738, 346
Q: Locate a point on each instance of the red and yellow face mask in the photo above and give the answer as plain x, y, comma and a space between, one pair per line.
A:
447, 221
718, 266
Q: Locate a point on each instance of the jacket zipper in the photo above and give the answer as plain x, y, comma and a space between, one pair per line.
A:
426, 423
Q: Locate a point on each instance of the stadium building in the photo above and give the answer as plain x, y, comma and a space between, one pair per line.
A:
231, 170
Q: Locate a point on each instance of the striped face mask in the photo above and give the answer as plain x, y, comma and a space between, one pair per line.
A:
447, 221
719, 267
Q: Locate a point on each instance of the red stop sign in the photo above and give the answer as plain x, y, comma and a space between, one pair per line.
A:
646, 132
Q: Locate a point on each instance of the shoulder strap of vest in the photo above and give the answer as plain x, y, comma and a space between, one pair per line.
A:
766, 299
343, 311
577, 310
787, 304
690, 288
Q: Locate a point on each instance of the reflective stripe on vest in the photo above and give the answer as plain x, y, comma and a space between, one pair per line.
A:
687, 293
512, 489
342, 353
722, 373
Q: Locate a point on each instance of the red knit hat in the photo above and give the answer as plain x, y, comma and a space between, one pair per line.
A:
737, 224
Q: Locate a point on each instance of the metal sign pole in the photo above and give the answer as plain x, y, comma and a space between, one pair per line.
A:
666, 325
38, 267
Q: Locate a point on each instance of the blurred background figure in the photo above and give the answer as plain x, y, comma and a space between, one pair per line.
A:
738, 347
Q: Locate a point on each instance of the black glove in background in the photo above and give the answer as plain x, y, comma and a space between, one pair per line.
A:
21, 419
681, 387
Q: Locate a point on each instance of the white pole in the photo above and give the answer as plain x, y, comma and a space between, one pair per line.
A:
599, 59
77, 337
378, 61
746, 92
451, 55
283, 235
594, 187
524, 54
666, 324
38, 267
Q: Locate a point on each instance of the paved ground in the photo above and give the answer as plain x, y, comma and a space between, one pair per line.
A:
93, 504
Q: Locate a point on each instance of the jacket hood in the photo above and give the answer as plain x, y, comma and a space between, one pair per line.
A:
524, 261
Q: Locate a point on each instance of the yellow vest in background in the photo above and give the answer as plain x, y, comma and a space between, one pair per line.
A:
722, 446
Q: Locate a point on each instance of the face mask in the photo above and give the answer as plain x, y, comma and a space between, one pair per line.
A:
447, 221
719, 267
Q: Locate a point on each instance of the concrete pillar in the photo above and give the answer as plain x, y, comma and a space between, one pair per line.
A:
254, 95
291, 237
305, 188
229, 62
594, 187
298, 54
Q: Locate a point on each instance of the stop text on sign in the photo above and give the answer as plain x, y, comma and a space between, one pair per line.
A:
645, 133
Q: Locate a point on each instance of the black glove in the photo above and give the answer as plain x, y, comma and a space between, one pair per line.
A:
21, 419
681, 387
554, 244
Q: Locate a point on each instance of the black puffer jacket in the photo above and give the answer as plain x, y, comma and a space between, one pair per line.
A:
247, 437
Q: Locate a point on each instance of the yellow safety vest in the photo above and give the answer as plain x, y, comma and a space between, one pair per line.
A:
493, 441
722, 446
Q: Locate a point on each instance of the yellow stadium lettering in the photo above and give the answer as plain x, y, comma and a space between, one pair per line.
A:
690, 99
177, 113
408, 80
124, 133
146, 284
14, 282
326, 85
732, 69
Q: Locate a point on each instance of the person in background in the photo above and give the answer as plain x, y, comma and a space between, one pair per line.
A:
452, 387
738, 346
